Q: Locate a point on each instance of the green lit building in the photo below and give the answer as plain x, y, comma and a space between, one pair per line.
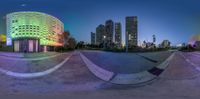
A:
33, 32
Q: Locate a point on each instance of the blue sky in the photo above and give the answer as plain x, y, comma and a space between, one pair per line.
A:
175, 20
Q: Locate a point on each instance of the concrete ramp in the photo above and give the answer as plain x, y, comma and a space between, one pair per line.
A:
122, 78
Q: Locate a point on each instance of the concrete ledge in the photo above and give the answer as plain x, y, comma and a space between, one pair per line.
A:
96, 70
34, 75
164, 64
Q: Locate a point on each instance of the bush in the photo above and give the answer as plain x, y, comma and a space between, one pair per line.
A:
63, 49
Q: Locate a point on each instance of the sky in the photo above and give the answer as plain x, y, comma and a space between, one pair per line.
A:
174, 20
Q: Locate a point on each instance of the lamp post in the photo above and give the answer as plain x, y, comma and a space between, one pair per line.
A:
126, 42
104, 44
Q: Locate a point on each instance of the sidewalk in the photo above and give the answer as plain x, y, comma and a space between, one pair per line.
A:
31, 66
27, 55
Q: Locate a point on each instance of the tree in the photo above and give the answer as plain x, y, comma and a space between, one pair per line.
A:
72, 43
80, 44
66, 36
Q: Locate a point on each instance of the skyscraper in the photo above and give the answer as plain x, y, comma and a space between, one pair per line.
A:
131, 31
118, 34
93, 37
109, 27
100, 33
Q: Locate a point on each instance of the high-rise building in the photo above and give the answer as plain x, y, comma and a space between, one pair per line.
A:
165, 44
100, 33
33, 31
109, 27
131, 31
118, 34
93, 37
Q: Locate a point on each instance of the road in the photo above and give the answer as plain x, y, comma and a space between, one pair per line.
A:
73, 80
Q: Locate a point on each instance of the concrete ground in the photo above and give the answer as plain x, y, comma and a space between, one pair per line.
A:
27, 65
126, 62
181, 80
27, 55
72, 76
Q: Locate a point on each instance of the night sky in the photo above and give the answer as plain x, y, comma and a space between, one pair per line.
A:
175, 20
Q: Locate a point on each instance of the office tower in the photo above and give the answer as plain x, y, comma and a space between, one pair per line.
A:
131, 31
100, 33
118, 34
109, 27
93, 41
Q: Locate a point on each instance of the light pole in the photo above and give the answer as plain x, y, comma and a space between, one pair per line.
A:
126, 42
104, 44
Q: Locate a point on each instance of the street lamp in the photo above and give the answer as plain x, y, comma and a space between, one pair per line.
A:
127, 37
104, 44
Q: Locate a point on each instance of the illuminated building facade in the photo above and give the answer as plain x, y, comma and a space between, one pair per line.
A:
33, 32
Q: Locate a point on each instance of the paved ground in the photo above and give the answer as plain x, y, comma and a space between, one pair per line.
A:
126, 62
181, 69
73, 76
181, 80
29, 66
27, 55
